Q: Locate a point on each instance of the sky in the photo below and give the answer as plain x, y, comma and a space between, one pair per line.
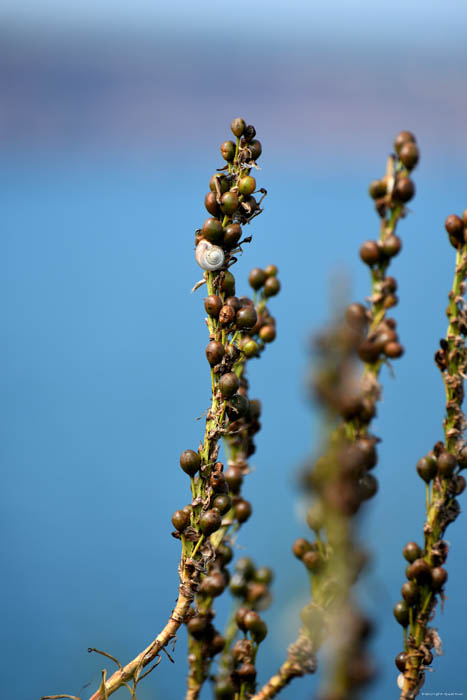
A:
110, 125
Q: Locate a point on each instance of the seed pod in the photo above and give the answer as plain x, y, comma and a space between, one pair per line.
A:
213, 305
377, 189
242, 511
237, 407
312, 561
234, 302
190, 462
238, 585
208, 256
459, 484
403, 190
222, 503
410, 592
300, 547
210, 202
419, 571
271, 270
228, 284
249, 133
393, 349
240, 618
370, 252
255, 148
214, 352
427, 467
209, 522
226, 315
216, 644
446, 464
223, 182
264, 574
257, 278
212, 230
401, 613
213, 585
228, 384
411, 552
315, 517
272, 287
391, 245
368, 351
402, 138
400, 661
232, 353
197, 626
180, 520
409, 155
228, 151
246, 317
439, 577
246, 673
234, 478
232, 234
229, 203
238, 126
247, 185
256, 626
368, 486
267, 334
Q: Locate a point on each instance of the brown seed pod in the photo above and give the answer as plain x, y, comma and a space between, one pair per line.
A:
409, 155
212, 230
402, 138
391, 245
370, 253
255, 148
226, 315
214, 352
180, 520
210, 202
242, 510
238, 126
257, 278
393, 349
228, 151
213, 305
229, 203
355, 315
210, 521
377, 189
267, 334
190, 462
232, 234
404, 189
228, 384
419, 571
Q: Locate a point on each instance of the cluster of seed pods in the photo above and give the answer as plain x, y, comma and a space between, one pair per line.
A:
239, 327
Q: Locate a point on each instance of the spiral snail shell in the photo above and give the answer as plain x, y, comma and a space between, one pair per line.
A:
208, 256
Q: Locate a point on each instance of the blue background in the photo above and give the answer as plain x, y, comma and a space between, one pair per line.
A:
111, 121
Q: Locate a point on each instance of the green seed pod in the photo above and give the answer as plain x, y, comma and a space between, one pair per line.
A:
402, 138
315, 517
370, 253
222, 503
411, 552
229, 203
427, 467
224, 183
180, 520
214, 352
404, 189
271, 287
238, 585
255, 148
224, 689
229, 384
212, 230
228, 284
264, 574
409, 155
190, 462
446, 464
232, 234
401, 613
257, 278
242, 511
377, 189
228, 151
209, 522
213, 304
238, 126
246, 185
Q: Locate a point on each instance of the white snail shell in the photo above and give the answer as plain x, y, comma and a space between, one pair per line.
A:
209, 256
